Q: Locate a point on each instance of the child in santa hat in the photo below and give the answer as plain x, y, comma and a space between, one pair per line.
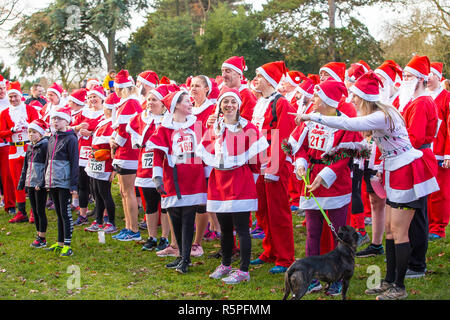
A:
61, 176
32, 178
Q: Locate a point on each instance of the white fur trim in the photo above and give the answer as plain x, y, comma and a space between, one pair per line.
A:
328, 176
263, 72
415, 72
61, 115
325, 98
331, 73
436, 73
71, 98
14, 91
186, 200
54, 91
229, 94
302, 91
158, 172
120, 140
139, 78
243, 205
126, 164
144, 182
98, 94
157, 94
385, 76
37, 128
233, 67
271, 177
417, 191
365, 96
326, 203
123, 85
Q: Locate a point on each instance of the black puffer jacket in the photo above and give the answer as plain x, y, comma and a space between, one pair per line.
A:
33, 170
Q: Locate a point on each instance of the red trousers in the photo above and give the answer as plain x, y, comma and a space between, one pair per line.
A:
9, 196
294, 190
15, 166
275, 218
439, 204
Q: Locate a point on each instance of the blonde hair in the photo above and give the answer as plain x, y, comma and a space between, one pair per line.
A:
368, 107
126, 92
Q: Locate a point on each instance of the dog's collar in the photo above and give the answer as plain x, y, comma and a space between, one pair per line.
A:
347, 245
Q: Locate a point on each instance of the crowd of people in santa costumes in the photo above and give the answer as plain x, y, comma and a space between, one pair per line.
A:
204, 155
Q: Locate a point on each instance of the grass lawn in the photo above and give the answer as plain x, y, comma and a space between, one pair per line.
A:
120, 270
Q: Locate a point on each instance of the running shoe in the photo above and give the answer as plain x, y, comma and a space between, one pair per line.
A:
19, 217
314, 286
256, 262
368, 221
143, 225
170, 251
81, 221
294, 208
150, 244
130, 236
109, 228
411, 274
56, 248
162, 244
94, 227
260, 235
211, 236
363, 239
433, 237
384, 285
236, 277
393, 293
278, 269
183, 267
256, 230
370, 251
66, 251
121, 232
196, 251
38, 243
174, 264
220, 272
335, 289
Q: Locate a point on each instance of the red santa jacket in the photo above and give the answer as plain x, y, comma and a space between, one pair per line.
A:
421, 120
141, 128
126, 156
275, 130
248, 102
174, 146
100, 169
204, 111
92, 118
441, 144
12, 117
310, 143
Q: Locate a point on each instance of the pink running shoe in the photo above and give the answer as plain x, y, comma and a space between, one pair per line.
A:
236, 277
196, 251
220, 272
170, 251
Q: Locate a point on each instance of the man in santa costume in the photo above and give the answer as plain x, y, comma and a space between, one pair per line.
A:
271, 116
389, 71
9, 196
420, 114
232, 73
13, 128
289, 83
439, 201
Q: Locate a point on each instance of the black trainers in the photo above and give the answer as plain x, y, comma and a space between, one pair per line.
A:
182, 267
150, 244
163, 243
174, 263
38, 243
370, 251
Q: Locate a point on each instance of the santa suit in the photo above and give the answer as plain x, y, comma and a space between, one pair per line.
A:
95, 169
274, 215
439, 201
9, 196
232, 151
204, 111
248, 102
126, 156
9, 118
175, 160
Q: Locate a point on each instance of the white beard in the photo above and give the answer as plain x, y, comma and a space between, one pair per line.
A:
406, 92
385, 94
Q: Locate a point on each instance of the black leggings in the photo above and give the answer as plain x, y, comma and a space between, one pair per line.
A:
61, 199
103, 200
240, 221
38, 199
152, 199
183, 219
83, 188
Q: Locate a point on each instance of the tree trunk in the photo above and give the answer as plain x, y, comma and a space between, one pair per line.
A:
332, 27
111, 59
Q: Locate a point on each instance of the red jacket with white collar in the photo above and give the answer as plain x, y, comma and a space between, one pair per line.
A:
441, 144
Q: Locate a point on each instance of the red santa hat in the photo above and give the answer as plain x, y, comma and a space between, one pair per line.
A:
215, 91
2, 81
228, 92
39, 125
367, 86
63, 113
98, 91
111, 100
335, 69
149, 78
389, 70
436, 68
331, 91
235, 63
14, 87
295, 77
92, 81
123, 80
419, 66
364, 64
78, 96
273, 72
170, 100
164, 80
354, 72
188, 81
163, 90
56, 88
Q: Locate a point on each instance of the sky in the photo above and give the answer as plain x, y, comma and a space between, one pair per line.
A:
374, 17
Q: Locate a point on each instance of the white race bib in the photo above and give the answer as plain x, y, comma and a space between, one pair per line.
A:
96, 166
147, 160
18, 136
318, 139
85, 151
